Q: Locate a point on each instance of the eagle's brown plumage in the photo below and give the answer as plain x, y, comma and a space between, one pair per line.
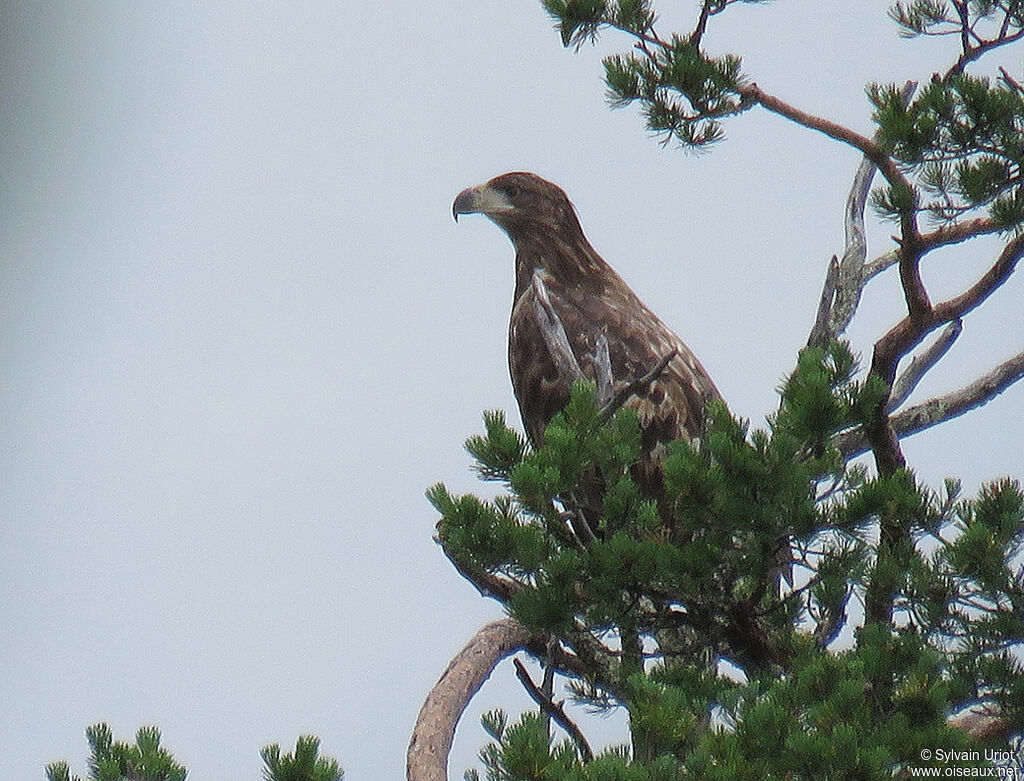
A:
554, 257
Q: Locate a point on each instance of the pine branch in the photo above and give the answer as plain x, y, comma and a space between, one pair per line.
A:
912, 329
959, 232
956, 403
970, 52
487, 583
990, 281
753, 94
431, 742
939, 410
555, 711
921, 364
847, 278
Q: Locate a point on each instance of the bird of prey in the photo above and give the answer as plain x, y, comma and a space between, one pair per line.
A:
574, 318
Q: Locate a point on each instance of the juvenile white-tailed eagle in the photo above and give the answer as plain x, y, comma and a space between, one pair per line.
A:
572, 315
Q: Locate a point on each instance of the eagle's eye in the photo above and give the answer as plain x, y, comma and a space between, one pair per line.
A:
511, 190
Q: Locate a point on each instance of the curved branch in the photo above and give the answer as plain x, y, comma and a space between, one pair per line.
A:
989, 282
880, 264
821, 331
922, 318
958, 232
487, 583
431, 743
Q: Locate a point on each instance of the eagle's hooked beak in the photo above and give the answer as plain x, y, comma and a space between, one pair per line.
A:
480, 200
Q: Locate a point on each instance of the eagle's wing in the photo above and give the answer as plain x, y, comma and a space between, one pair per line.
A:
636, 342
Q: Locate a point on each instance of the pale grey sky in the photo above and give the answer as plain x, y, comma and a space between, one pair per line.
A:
241, 334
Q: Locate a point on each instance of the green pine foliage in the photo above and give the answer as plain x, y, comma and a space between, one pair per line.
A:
147, 760
111, 760
654, 607
303, 764
961, 137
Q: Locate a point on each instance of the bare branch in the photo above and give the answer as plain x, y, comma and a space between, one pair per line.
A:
911, 330
851, 267
921, 364
922, 318
431, 743
939, 410
955, 404
843, 287
881, 263
821, 332
974, 52
989, 282
942, 236
554, 710
958, 232
638, 387
487, 583
751, 94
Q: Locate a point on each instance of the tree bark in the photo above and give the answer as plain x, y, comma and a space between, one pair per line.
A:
431, 743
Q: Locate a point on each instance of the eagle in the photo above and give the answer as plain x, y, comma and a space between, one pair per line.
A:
573, 317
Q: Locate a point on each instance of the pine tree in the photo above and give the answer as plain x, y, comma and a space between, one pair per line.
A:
900, 636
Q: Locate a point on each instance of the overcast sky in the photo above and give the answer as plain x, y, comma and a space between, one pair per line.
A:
240, 335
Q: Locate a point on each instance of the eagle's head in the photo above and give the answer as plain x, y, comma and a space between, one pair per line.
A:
520, 203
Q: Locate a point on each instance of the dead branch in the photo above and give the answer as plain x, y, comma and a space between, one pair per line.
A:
847, 277
554, 710
952, 405
851, 266
623, 391
880, 264
821, 330
921, 364
939, 410
431, 743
